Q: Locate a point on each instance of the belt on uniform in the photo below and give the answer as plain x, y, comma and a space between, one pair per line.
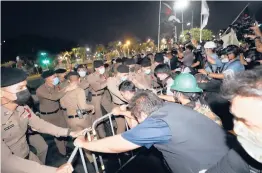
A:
97, 94
63, 109
47, 113
119, 104
157, 87
27, 157
73, 116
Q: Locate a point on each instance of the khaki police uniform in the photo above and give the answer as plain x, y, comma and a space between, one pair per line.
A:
144, 81
50, 110
118, 100
63, 84
38, 142
84, 84
72, 101
15, 154
106, 99
97, 85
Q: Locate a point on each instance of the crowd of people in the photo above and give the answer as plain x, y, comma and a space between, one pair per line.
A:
166, 99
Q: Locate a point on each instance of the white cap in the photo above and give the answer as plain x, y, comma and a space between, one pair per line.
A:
210, 45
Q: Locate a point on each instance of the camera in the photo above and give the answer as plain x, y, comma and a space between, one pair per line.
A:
242, 27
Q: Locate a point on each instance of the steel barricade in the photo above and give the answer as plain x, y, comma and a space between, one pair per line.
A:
95, 123
92, 131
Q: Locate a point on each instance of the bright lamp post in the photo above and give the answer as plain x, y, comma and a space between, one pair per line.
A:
127, 44
181, 5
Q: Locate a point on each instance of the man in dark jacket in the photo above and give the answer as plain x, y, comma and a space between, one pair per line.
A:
189, 141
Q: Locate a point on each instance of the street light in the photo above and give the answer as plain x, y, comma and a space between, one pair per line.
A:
46, 62
127, 44
119, 43
188, 24
87, 49
181, 5
43, 53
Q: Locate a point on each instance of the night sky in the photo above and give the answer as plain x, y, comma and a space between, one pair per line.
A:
101, 22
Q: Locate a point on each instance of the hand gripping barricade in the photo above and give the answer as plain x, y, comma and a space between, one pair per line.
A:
92, 131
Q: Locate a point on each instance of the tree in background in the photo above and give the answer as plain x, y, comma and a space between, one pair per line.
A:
195, 33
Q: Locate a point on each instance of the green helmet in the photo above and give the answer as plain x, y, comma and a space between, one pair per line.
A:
185, 82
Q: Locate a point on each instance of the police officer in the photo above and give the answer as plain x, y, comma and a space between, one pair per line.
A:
143, 79
117, 99
77, 109
82, 71
98, 83
60, 73
49, 95
15, 119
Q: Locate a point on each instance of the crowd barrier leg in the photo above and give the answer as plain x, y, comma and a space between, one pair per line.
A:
83, 160
71, 158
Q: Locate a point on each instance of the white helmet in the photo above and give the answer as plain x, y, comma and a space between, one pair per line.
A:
210, 45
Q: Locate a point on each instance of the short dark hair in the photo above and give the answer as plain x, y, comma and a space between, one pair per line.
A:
145, 101
127, 86
190, 47
162, 68
246, 84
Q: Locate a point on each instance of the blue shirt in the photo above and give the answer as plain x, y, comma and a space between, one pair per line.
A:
233, 67
149, 132
214, 67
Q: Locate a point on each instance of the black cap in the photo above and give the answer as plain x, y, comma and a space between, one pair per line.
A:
119, 60
72, 73
60, 70
47, 73
130, 62
145, 62
80, 66
98, 63
123, 69
159, 58
11, 76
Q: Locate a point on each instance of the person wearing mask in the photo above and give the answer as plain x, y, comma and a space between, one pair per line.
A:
231, 67
16, 116
98, 83
60, 73
78, 112
191, 150
117, 99
144, 79
49, 94
213, 63
244, 93
82, 71
164, 74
